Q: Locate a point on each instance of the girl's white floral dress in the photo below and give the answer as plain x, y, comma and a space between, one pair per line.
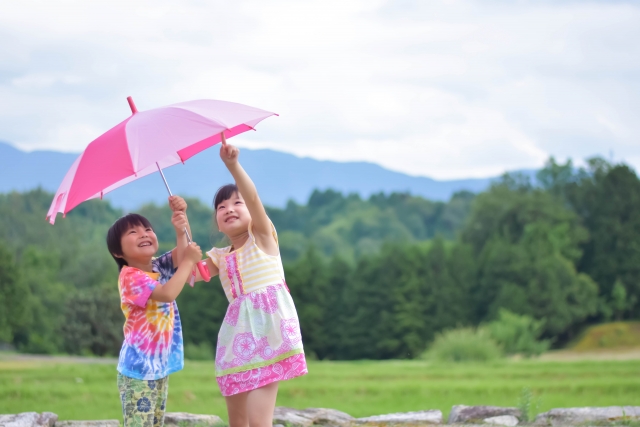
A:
259, 341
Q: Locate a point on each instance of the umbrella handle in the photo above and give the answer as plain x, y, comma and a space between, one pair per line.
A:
204, 271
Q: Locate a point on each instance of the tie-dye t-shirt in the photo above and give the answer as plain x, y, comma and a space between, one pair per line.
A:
152, 347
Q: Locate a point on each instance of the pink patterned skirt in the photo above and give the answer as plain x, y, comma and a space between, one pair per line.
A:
286, 369
259, 341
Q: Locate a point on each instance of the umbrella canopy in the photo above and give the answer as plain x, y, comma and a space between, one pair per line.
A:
147, 141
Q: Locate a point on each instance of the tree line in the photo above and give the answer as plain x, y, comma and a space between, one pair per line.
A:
372, 278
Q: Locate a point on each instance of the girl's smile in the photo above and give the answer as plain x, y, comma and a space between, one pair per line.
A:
233, 216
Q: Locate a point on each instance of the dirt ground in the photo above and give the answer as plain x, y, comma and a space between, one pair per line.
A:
566, 355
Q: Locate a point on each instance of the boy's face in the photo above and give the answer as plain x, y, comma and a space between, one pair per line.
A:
139, 244
233, 216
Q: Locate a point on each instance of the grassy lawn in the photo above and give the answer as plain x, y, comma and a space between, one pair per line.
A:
88, 391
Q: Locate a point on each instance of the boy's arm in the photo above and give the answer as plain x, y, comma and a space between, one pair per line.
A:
180, 222
170, 290
260, 221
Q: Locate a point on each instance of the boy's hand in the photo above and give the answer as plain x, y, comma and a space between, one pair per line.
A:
228, 153
177, 203
193, 253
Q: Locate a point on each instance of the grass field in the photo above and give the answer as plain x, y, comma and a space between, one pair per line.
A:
88, 390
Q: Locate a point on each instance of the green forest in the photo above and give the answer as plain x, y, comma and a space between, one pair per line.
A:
374, 278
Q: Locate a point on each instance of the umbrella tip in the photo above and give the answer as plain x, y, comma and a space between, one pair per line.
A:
132, 105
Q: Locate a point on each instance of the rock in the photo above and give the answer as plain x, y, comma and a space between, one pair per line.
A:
461, 414
183, 419
92, 423
46, 419
563, 416
328, 417
25, 419
29, 419
311, 416
403, 418
502, 420
291, 417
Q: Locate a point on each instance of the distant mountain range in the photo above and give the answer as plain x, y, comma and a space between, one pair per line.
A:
279, 177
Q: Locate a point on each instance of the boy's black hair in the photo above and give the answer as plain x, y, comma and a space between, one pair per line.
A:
117, 230
224, 193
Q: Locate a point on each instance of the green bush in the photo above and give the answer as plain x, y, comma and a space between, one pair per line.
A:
202, 351
463, 345
518, 334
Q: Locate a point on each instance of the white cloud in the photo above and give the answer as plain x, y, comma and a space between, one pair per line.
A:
446, 88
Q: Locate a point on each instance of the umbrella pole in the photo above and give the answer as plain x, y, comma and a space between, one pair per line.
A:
166, 184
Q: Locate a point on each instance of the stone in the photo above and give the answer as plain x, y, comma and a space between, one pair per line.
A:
598, 415
461, 414
311, 416
183, 419
29, 419
502, 420
24, 419
403, 418
92, 423
291, 417
328, 417
46, 419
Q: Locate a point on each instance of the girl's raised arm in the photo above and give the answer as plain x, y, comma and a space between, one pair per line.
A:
261, 223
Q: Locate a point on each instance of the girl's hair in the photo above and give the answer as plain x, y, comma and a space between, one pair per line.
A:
117, 230
224, 193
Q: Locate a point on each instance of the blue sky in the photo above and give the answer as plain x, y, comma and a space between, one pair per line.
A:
446, 89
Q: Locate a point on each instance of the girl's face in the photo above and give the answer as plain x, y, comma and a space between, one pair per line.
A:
139, 244
233, 216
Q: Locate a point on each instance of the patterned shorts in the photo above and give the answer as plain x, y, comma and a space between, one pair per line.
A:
143, 401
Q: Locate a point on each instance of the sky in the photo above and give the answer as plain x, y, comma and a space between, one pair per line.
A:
440, 88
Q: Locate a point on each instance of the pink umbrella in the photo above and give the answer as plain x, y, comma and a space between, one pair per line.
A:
145, 143
148, 141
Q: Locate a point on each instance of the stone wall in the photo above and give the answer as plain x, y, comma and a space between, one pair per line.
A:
321, 417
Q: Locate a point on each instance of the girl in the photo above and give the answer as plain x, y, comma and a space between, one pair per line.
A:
152, 347
259, 342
